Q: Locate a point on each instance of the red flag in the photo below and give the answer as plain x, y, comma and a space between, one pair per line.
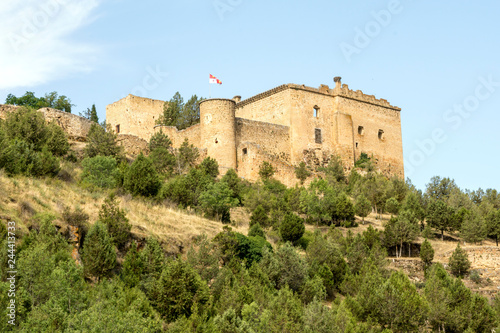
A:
213, 79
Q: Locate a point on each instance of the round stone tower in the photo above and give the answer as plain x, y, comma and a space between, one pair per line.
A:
218, 131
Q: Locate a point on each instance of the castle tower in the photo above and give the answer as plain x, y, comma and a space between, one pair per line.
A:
218, 131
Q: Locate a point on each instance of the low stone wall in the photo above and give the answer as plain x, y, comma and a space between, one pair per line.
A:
5, 109
484, 259
74, 126
132, 145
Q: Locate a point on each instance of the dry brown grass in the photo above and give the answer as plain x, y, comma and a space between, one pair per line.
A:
21, 198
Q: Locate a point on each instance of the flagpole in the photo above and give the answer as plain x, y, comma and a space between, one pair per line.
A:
209, 90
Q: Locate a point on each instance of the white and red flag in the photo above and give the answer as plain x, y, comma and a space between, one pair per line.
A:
213, 79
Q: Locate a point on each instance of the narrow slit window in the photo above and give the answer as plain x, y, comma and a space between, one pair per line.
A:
381, 134
316, 111
356, 145
117, 129
361, 130
317, 135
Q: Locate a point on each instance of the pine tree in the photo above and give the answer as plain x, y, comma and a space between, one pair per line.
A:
142, 178
473, 228
178, 288
459, 262
259, 216
292, 228
493, 224
266, 170
115, 220
426, 253
93, 115
99, 256
362, 207
172, 111
301, 172
133, 267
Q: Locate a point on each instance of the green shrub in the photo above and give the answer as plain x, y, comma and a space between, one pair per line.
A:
141, 178
475, 277
163, 160
178, 289
459, 262
57, 142
256, 230
313, 288
159, 140
98, 254
210, 167
115, 220
101, 142
100, 171
292, 228
20, 158
259, 216
426, 253
266, 170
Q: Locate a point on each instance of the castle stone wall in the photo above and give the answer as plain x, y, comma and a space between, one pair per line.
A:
274, 139
311, 121
132, 145
218, 132
270, 107
74, 126
249, 164
177, 137
134, 115
368, 120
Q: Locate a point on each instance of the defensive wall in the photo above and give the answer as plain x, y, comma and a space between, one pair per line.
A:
134, 115
74, 126
285, 125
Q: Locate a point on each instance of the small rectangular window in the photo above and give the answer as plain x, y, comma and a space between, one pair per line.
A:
317, 135
245, 151
361, 130
381, 134
117, 129
316, 111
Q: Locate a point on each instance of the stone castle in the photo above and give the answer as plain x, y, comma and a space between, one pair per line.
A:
284, 126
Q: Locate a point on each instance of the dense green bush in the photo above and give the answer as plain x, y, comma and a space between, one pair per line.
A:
98, 254
29, 146
141, 178
115, 221
178, 289
459, 262
292, 228
100, 171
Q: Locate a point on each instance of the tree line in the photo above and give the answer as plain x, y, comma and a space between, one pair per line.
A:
238, 282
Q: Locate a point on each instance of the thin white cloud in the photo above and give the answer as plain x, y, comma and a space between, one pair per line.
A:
35, 40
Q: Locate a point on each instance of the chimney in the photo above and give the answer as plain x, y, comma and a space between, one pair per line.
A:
237, 99
337, 81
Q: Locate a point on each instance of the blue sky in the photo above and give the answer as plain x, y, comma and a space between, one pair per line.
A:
438, 61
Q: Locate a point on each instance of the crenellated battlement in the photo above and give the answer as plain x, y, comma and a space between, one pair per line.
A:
340, 90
